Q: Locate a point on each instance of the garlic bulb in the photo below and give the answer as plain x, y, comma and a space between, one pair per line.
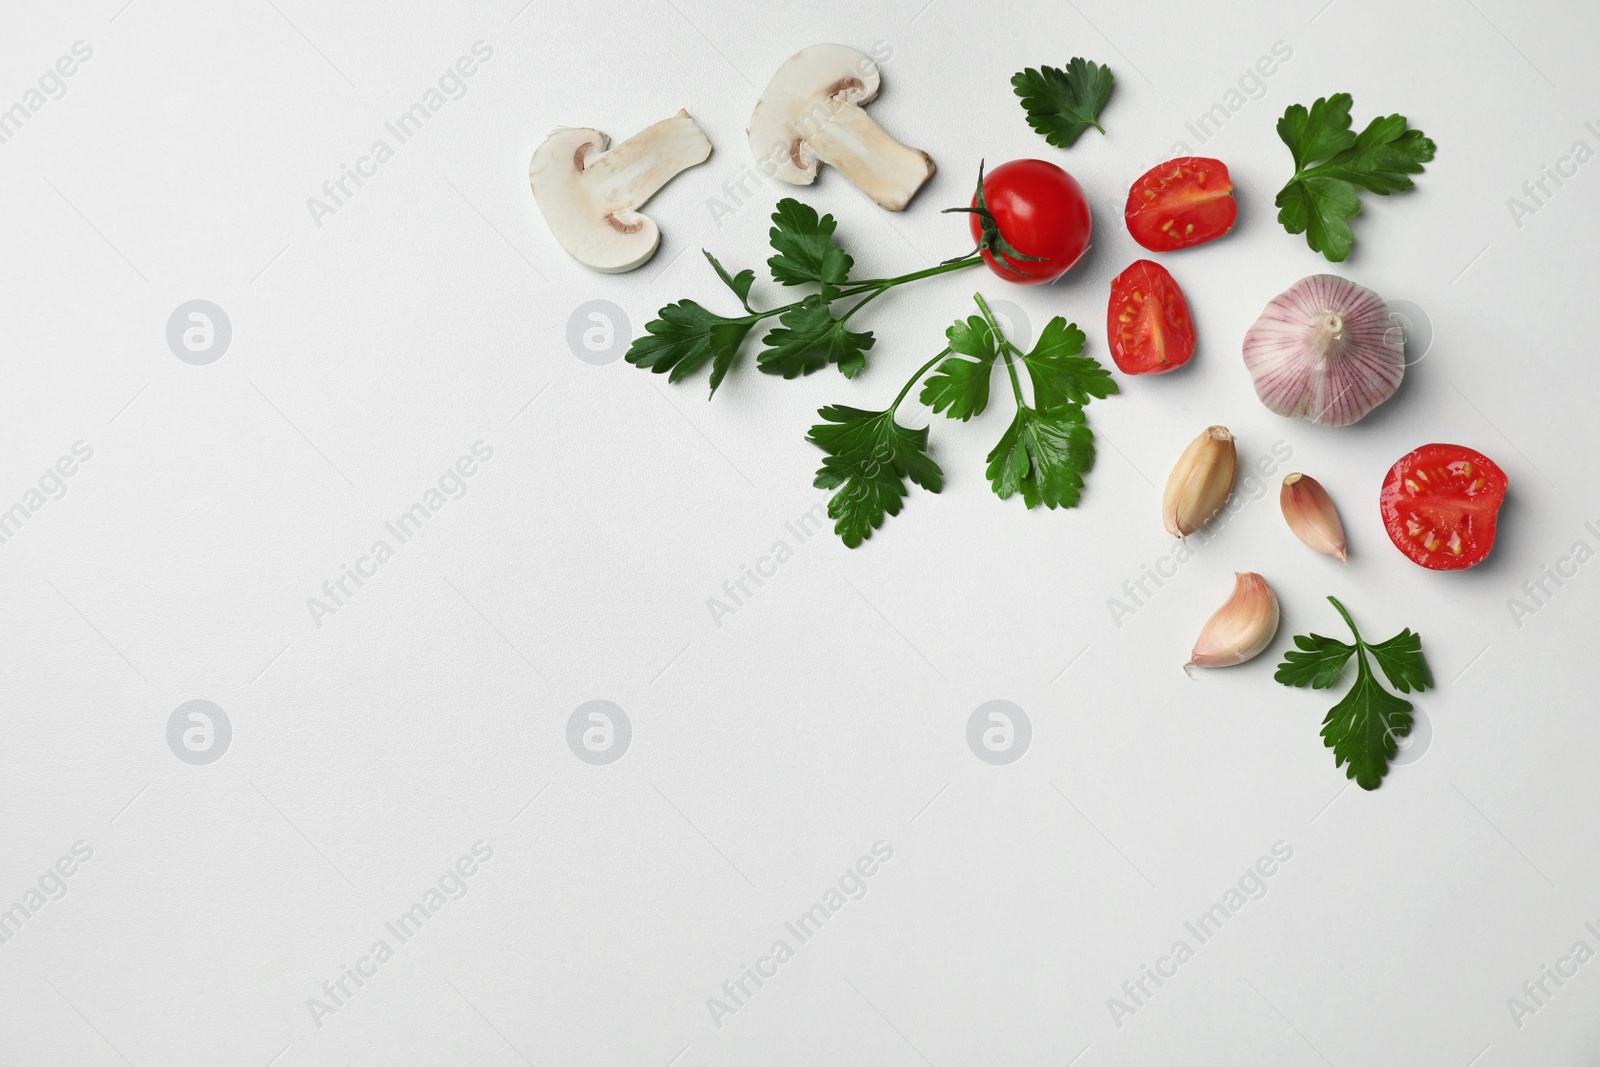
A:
1241, 628
1310, 513
1325, 350
1200, 482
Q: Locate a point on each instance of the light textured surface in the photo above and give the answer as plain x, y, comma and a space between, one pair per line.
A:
374, 345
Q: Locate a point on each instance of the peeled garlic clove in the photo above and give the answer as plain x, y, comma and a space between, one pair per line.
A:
1325, 350
1200, 483
1309, 510
1241, 628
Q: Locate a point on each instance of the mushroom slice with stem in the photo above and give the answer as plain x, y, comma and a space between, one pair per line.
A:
811, 112
589, 192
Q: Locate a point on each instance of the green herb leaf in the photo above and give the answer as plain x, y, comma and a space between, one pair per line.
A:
804, 243
1318, 208
809, 338
1400, 659
1044, 456
960, 388
972, 336
1060, 373
1061, 104
1318, 665
740, 283
1332, 164
1364, 728
685, 338
1319, 133
870, 458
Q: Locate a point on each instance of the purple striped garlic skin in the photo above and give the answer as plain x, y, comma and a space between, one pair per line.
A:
1325, 350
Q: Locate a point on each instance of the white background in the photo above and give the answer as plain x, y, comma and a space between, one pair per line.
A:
829, 712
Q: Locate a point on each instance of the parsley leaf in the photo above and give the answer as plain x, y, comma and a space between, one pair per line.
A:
684, 338
740, 283
973, 337
960, 388
1400, 659
1044, 456
1318, 665
870, 457
1332, 164
1364, 728
1061, 104
1060, 373
809, 338
804, 243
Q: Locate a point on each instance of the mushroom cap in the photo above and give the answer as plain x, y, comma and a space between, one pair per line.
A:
1325, 350
805, 93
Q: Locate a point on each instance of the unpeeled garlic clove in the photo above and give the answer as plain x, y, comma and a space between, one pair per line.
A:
1241, 628
1200, 482
1309, 510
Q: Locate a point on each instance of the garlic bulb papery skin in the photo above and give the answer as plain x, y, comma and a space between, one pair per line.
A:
1241, 628
1200, 481
1309, 511
1325, 350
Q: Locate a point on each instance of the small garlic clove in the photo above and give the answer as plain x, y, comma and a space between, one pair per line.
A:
1241, 628
1200, 482
1309, 510
1325, 349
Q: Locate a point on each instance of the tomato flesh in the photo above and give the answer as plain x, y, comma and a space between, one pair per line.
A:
1041, 211
1148, 323
1440, 504
1182, 203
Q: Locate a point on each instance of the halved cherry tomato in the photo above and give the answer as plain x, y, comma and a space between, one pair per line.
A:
1440, 504
1041, 212
1183, 202
1148, 322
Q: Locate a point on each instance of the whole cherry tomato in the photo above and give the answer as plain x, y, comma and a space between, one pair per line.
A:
1041, 212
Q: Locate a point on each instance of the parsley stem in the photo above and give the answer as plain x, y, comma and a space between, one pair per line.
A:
923, 370
1004, 345
929, 272
872, 289
863, 303
1016, 386
1348, 622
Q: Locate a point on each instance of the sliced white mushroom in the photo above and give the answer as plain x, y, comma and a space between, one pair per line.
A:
589, 192
811, 112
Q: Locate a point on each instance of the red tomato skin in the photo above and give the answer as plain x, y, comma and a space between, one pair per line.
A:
1041, 211
1200, 208
1394, 498
1156, 284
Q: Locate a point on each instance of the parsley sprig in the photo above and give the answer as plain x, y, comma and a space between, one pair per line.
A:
685, 337
1043, 455
1332, 164
1062, 104
1363, 729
